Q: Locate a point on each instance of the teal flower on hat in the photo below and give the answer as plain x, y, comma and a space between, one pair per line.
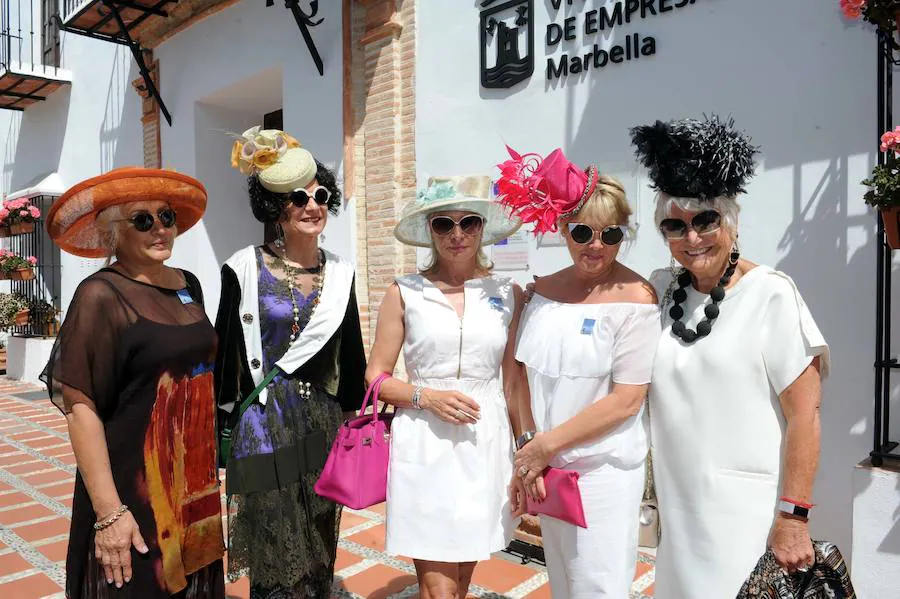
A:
438, 191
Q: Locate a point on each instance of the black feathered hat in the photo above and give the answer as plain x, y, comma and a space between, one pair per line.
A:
690, 158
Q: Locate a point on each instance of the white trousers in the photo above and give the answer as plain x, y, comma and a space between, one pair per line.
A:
597, 562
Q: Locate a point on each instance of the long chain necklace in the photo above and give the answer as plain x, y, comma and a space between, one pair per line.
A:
710, 311
318, 275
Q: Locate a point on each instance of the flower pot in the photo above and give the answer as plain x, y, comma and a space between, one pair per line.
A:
4, 231
21, 318
21, 228
22, 274
891, 219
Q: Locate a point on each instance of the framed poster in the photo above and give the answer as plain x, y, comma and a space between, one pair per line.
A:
511, 253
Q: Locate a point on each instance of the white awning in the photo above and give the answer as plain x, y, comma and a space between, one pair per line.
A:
48, 184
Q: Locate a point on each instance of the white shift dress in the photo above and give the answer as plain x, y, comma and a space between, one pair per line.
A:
717, 430
447, 495
574, 353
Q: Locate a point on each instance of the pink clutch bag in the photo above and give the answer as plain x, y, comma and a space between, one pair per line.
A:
563, 500
355, 473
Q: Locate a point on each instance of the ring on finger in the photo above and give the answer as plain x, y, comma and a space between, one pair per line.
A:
523, 471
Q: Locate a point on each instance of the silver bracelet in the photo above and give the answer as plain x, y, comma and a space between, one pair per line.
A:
417, 395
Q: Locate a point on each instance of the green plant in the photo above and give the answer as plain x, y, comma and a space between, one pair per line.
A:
41, 312
884, 183
881, 13
10, 261
10, 305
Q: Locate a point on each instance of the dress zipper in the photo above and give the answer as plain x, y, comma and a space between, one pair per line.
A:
459, 364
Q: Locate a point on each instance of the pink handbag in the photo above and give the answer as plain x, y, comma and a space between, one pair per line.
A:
563, 500
355, 473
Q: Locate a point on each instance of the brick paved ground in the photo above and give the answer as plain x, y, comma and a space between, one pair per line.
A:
37, 472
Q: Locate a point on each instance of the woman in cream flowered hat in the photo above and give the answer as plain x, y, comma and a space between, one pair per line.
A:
288, 310
451, 446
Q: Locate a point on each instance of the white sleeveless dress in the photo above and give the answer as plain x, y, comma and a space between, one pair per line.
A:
447, 483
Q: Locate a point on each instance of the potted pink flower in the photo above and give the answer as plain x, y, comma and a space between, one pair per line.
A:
15, 267
884, 187
884, 14
20, 215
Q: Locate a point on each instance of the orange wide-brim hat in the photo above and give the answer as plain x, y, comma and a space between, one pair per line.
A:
72, 220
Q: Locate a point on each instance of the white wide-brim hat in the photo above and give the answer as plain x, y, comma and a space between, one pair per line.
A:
468, 194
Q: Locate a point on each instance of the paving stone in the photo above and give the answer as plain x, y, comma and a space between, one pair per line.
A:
34, 448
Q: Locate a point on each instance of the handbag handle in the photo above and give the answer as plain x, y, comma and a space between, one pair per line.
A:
372, 394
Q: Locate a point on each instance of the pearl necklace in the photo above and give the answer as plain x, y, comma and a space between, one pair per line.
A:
711, 311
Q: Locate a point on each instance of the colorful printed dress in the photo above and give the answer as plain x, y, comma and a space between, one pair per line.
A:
142, 356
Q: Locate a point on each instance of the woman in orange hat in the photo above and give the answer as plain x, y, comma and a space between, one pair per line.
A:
288, 327
132, 371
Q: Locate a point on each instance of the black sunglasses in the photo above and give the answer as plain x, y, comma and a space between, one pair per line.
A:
582, 234
470, 224
703, 223
143, 221
300, 197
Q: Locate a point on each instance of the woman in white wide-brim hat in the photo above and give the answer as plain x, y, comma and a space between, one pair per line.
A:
451, 446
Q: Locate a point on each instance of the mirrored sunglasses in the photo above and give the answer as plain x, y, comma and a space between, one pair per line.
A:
470, 224
300, 197
704, 223
143, 221
582, 234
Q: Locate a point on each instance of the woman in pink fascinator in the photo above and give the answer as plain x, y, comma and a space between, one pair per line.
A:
586, 341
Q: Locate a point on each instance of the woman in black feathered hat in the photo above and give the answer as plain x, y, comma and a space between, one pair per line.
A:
736, 380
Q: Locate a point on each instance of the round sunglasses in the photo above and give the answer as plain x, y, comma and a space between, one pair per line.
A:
704, 223
300, 197
582, 234
471, 224
143, 221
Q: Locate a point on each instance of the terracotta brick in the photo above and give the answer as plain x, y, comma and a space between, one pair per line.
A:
372, 537
43, 530
501, 575
24, 514
11, 499
34, 466
58, 451
41, 443
12, 563
37, 585
55, 552
13, 458
60, 490
379, 582
238, 590
48, 477
345, 559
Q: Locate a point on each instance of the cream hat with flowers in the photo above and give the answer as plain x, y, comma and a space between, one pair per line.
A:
275, 157
470, 194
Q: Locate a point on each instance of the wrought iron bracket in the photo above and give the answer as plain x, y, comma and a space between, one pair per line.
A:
138, 54
306, 21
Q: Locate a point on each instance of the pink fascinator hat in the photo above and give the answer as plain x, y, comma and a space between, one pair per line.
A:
543, 190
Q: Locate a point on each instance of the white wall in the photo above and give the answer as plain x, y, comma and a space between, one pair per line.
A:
224, 73
792, 74
876, 531
79, 131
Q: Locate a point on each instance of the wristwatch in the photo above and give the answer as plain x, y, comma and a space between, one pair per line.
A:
789, 507
523, 439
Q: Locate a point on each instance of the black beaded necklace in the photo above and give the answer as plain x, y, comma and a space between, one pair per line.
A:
711, 311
